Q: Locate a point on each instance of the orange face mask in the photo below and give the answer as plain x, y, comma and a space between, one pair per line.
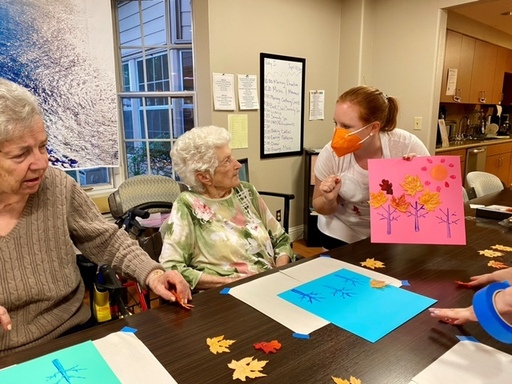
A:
345, 142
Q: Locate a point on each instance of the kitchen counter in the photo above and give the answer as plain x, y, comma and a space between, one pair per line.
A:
463, 144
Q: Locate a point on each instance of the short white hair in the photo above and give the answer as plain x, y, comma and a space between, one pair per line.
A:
18, 108
195, 151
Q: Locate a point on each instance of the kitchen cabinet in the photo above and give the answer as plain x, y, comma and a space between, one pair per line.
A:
459, 54
482, 73
503, 65
497, 161
481, 67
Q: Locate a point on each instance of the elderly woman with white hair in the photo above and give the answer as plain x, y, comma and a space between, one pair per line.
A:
43, 214
221, 230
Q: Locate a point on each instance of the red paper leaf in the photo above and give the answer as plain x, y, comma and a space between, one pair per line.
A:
463, 284
270, 347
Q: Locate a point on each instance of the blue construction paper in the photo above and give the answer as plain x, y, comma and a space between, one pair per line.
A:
81, 363
346, 299
467, 338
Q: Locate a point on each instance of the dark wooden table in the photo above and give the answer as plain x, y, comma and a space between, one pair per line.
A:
178, 337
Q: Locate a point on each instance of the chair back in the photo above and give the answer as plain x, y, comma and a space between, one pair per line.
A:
287, 197
465, 195
149, 192
484, 183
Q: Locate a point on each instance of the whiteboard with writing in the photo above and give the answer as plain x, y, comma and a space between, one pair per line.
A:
282, 105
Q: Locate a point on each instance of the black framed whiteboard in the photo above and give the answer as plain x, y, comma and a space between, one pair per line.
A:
282, 105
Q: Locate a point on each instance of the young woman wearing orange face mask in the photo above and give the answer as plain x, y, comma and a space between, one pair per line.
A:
364, 128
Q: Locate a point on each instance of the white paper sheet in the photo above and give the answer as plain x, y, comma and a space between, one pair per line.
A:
261, 293
224, 91
131, 360
468, 363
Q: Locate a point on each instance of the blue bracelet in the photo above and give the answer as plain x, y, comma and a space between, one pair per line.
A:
488, 316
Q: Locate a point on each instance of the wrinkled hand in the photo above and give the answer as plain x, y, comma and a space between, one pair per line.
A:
330, 187
454, 316
5, 319
163, 284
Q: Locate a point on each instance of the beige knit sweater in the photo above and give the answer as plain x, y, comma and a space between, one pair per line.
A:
40, 283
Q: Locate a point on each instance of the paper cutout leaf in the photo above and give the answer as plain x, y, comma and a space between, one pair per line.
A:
411, 185
270, 347
502, 248
497, 264
431, 200
372, 263
490, 253
463, 284
378, 283
218, 344
377, 199
247, 367
386, 186
353, 380
400, 203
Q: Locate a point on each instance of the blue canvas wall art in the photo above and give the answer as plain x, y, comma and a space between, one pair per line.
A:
63, 52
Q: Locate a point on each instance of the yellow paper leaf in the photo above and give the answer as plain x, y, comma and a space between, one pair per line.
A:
377, 199
372, 263
218, 344
502, 248
412, 185
430, 200
353, 380
497, 264
490, 253
247, 367
377, 283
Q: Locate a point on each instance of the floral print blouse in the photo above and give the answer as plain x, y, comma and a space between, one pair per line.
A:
231, 237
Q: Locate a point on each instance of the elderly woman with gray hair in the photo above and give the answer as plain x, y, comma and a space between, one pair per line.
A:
221, 230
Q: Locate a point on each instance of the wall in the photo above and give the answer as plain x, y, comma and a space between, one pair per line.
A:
234, 33
395, 45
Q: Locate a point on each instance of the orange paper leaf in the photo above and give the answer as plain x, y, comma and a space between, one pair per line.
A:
497, 264
272, 346
378, 283
353, 380
247, 367
218, 344
463, 284
372, 263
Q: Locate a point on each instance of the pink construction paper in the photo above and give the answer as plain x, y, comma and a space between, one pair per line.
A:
421, 220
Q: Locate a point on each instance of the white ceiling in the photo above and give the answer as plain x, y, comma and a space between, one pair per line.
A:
489, 12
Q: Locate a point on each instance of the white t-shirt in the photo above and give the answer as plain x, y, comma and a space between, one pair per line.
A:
351, 221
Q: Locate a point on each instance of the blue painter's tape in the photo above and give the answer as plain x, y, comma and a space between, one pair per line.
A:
325, 256
488, 316
128, 330
224, 291
300, 336
405, 283
467, 338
